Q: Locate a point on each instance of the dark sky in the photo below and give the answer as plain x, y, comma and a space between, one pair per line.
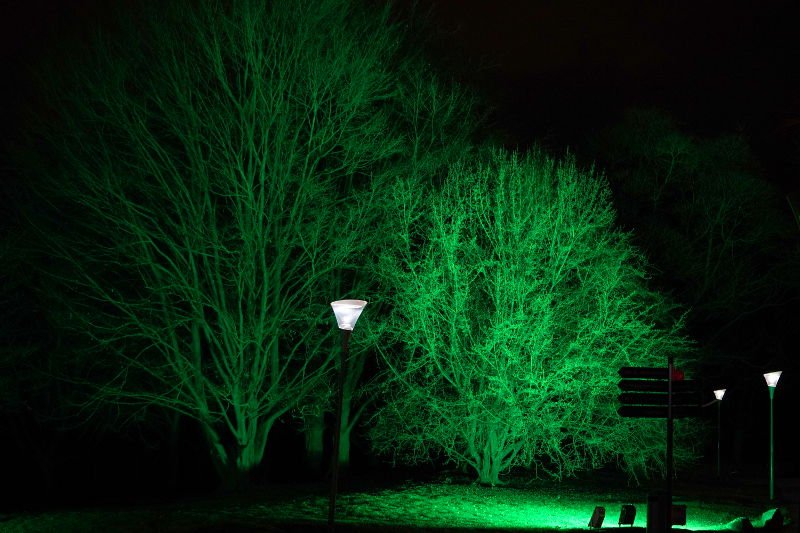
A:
561, 69
558, 69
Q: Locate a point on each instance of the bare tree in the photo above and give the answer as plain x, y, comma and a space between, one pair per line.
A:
201, 168
435, 122
515, 300
718, 232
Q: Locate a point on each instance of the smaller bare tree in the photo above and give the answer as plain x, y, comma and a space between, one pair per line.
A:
515, 300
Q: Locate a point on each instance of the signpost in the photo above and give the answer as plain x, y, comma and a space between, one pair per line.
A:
646, 394
658, 392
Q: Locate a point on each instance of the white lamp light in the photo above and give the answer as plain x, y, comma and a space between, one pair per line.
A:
718, 394
347, 312
772, 378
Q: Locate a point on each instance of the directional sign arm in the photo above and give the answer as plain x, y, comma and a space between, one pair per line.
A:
653, 411
648, 372
658, 399
652, 385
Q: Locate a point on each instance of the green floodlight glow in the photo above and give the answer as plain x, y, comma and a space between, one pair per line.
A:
347, 312
470, 507
772, 378
719, 393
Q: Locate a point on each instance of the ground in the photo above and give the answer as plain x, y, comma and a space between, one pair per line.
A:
443, 506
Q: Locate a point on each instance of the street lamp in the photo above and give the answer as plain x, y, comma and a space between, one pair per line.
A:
772, 382
718, 394
347, 313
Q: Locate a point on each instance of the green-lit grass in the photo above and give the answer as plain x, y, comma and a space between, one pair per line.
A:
417, 507
474, 506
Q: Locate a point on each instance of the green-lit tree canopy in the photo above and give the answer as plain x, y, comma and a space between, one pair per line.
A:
204, 161
435, 122
515, 301
219, 172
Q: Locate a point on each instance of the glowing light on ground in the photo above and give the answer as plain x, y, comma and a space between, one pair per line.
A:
474, 506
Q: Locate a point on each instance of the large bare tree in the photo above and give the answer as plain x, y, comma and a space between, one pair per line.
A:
200, 164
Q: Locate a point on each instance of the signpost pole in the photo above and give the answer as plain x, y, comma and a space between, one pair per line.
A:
668, 512
649, 392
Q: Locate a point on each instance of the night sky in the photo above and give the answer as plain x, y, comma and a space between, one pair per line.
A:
552, 72
558, 71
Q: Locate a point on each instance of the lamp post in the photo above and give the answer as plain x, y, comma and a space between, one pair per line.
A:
718, 394
347, 313
772, 382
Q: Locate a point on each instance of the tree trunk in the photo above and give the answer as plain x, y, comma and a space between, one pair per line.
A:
488, 467
488, 474
174, 450
229, 477
344, 438
314, 433
234, 463
223, 465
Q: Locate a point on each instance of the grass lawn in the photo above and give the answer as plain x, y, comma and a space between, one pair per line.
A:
420, 507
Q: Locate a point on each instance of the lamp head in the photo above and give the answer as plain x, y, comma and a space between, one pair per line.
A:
347, 312
719, 393
772, 378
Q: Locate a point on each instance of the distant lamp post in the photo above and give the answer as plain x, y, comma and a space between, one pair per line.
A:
718, 394
772, 382
347, 313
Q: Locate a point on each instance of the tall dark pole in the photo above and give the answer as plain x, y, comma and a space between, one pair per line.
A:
337, 428
772, 382
719, 435
771, 446
668, 504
